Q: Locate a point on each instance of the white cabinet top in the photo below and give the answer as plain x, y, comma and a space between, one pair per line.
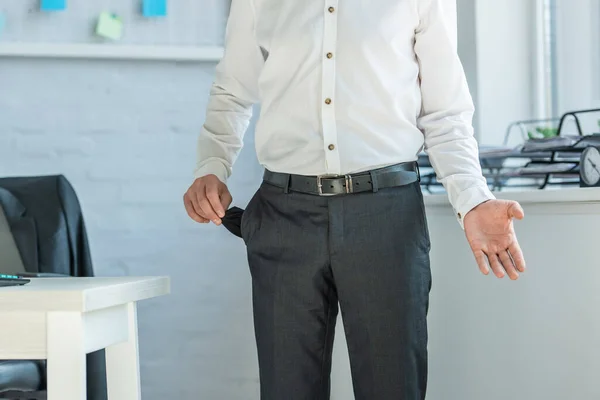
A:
80, 294
570, 195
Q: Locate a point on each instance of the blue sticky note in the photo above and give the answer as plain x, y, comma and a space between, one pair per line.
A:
154, 8
53, 5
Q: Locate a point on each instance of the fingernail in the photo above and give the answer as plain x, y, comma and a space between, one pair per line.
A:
217, 222
221, 214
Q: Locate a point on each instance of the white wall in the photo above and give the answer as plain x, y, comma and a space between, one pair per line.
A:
467, 50
504, 65
500, 61
578, 54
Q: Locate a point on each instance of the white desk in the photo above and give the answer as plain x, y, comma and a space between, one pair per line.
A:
63, 319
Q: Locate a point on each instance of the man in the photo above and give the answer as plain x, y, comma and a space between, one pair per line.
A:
351, 91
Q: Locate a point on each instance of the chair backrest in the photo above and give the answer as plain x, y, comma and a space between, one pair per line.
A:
10, 259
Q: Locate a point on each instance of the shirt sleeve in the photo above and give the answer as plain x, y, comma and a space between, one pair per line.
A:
447, 108
232, 96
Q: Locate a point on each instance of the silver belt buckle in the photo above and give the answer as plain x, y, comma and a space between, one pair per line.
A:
320, 183
347, 178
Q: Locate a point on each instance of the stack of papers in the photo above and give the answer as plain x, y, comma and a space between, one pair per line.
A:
548, 144
495, 151
547, 168
587, 141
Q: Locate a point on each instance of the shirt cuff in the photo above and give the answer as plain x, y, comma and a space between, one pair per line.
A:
216, 168
469, 199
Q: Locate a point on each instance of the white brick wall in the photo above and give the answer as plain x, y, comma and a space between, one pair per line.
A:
124, 135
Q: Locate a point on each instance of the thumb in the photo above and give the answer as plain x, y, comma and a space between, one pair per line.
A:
515, 211
226, 198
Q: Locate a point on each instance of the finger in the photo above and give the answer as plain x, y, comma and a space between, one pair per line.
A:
481, 259
212, 194
508, 265
193, 198
207, 211
226, 199
517, 255
189, 208
495, 264
516, 211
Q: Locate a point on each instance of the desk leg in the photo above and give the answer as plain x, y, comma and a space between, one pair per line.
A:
66, 374
122, 363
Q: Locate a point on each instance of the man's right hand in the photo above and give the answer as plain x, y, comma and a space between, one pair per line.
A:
207, 199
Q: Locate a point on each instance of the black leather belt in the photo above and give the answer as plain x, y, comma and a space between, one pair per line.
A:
331, 185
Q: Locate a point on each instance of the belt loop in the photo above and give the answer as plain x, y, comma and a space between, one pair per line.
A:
374, 182
286, 185
418, 170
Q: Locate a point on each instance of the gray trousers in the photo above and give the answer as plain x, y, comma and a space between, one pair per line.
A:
369, 252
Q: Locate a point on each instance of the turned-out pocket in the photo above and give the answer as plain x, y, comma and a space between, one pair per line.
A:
248, 223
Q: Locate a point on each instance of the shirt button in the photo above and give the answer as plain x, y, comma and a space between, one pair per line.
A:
329, 55
459, 215
331, 147
331, 9
328, 101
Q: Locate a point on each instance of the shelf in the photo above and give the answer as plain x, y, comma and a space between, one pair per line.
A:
112, 52
556, 195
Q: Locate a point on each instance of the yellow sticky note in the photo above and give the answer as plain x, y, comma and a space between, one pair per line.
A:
109, 26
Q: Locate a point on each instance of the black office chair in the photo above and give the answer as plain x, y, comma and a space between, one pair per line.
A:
35, 211
22, 380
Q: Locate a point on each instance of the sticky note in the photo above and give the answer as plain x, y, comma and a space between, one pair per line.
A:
109, 26
154, 8
53, 5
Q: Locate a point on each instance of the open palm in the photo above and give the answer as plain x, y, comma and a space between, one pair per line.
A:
491, 235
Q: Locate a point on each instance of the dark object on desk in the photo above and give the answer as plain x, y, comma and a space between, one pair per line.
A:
46, 223
12, 280
233, 220
10, 259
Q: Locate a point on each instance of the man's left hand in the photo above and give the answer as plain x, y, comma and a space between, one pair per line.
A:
491, 235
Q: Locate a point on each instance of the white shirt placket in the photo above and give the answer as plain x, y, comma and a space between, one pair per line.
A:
330, 139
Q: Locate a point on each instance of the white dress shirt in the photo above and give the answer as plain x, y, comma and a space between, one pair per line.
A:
345, 86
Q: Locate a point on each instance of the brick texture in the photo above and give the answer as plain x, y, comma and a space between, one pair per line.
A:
124, 134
